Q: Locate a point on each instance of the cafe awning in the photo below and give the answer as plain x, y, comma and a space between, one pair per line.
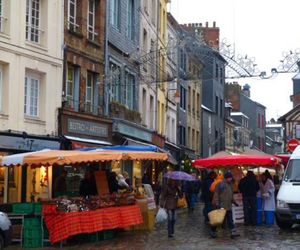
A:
64, 157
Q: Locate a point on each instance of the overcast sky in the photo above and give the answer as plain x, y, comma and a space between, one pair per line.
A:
263, 29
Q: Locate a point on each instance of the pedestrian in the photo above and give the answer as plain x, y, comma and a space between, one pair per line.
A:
268, 195
223, 198
60, 185
169, 198
190, 190
249, 187
88, 185
207, 195
146, 179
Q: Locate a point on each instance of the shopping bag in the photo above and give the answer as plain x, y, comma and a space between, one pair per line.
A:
216, 217
161, 215
181, 202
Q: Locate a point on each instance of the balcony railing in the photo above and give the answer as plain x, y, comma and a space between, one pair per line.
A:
82, 107
118, 110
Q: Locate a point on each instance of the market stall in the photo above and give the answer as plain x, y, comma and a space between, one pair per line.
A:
238, 164
67, 216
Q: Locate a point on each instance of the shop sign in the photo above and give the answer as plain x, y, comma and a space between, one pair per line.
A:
27, 144
158, 140
76, 126
292, 144
128, 130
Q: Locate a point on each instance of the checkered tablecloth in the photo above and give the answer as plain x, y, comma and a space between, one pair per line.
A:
63, 225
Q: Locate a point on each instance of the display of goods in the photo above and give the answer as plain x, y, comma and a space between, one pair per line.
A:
38, 208
32, 243
79, 204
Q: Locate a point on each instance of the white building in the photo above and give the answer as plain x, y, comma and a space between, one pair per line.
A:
172, 58
148, 45
31, 38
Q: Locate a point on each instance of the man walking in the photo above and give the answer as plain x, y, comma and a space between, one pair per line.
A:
249, 186
223, 198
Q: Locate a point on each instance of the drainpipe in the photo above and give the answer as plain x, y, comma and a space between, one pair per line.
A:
106, 89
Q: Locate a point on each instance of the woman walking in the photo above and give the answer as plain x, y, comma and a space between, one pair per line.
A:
268, 195
169, 197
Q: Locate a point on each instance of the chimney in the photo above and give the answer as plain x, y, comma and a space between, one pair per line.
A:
214, 24
206, 24
200, 24
246, 90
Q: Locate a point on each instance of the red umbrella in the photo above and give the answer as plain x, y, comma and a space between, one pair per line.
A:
238, 160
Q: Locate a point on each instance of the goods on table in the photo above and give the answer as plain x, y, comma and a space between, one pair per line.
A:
32, 233
79, 204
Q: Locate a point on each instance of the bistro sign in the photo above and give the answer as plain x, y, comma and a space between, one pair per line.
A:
87, 128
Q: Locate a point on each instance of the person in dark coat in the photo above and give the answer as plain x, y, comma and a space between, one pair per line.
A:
60, 185
169, 198
88, 185
113, 182
207, 195
249, 187
191, 190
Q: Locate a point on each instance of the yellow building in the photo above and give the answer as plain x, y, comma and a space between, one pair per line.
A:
161, 74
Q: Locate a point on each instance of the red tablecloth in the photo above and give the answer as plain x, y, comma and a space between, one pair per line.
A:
63, 225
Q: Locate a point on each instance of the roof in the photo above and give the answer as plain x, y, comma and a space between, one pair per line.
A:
297, 76
239, 114
293, 110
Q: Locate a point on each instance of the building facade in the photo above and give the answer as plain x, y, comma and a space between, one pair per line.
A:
31, 65
274, 138
241, 102
148, 68
81, 118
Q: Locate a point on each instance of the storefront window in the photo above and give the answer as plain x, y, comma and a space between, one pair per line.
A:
13, 180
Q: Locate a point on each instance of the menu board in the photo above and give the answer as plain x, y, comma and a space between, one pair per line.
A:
101, 182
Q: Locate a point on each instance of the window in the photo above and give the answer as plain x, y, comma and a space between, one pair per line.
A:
130, 19
221, 108
31, 95
72, 15
152, 121
1, 16
182, 136
209, 124
70, 83
153, 16
115, 80
217, 71
33, 9
115, 13
129, 90
258, 120
91, 34
89, 92
189, 138
221, 75
182, 60
217, 105
144, 106
182, 97
262, 121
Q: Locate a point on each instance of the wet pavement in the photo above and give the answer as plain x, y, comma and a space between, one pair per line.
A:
191, 233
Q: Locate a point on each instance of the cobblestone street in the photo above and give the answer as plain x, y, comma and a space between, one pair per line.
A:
192, 234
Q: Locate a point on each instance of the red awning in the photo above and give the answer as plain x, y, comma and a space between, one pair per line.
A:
284, 157
238, 160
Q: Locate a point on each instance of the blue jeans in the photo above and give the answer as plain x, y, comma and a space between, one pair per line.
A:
191, 200
171, 221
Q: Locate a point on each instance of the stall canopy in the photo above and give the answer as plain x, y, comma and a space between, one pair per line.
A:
238, 160
63, 157
284, 157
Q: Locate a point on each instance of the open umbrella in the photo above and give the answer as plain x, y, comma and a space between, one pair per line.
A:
180, 176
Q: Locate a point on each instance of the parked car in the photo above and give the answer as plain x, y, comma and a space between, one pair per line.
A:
288, 198
5, 230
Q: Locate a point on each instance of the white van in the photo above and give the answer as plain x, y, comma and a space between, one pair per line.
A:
288, 198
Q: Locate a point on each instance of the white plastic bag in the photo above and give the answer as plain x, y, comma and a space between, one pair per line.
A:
161, 215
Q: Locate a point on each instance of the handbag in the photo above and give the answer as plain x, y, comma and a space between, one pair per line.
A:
181, 202
161, 215
217, 216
